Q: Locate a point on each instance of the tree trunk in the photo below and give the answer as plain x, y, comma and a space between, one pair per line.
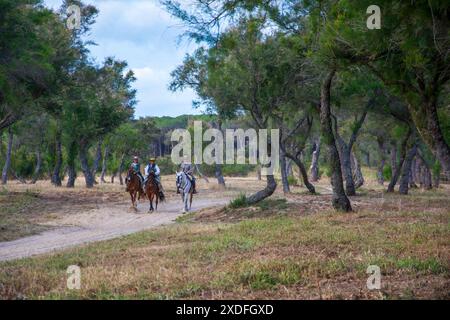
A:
398, 167
304, 175
406, 170
120, 170
427, 181
358, 176
219, 175
412, 174
8, 156
72, 175
424, 173
340, 200
418, 171
266, 192
315, 162
427, 122
289, 171
393, 158
367, 156
98, 157
37, 170
380, 171
346, 166
72, 153
284, 180
56, 176
89, 178
104, 165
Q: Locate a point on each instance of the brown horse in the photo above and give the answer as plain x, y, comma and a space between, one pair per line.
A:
133, 187
152, 191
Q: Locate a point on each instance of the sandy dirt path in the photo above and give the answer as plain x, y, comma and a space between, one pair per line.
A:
99, 224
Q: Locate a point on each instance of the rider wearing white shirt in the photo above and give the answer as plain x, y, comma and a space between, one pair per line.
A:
188, 169
152, 166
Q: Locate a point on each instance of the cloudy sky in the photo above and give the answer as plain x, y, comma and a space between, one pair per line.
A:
143, 34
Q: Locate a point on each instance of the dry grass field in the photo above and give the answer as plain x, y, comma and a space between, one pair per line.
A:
289, 247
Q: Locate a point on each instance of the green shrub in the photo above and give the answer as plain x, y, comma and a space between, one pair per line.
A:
239, 202
387, 173
292, 181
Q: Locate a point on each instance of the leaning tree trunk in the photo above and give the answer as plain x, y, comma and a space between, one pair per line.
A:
358, 176
89, 178
283, 167
303, 173
426, 119
104, 165
398, 167
406, 170
289, 171
340, 200
56, 175
315, 162
8, 156
37, 170
266, 192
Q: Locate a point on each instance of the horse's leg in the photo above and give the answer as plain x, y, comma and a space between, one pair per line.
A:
151, 203
150, 199
132, 198
190, 203
186, 209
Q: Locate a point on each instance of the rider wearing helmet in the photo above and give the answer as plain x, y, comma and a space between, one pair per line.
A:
136, 166
152, 166
188, 169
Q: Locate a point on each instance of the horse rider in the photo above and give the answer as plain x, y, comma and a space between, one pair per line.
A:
152, 166
136, 167
188, 169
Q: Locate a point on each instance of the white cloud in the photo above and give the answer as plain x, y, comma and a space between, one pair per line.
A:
143, 34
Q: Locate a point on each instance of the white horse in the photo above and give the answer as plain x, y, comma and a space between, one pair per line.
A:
186, 189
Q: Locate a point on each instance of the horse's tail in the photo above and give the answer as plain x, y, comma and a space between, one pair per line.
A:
162, 197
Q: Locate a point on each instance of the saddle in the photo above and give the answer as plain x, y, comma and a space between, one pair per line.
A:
141, 179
